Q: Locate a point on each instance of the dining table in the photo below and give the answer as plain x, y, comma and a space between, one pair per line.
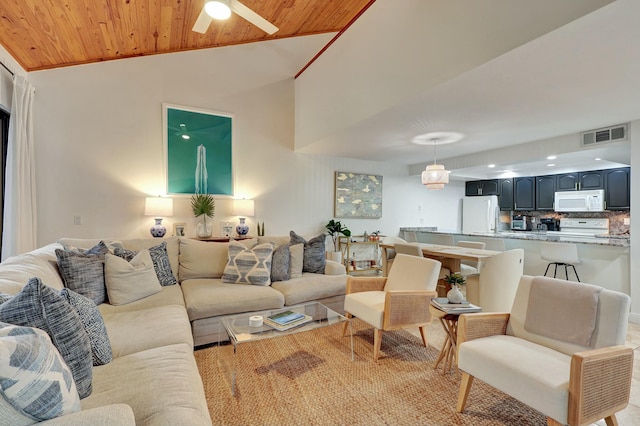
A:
450, 256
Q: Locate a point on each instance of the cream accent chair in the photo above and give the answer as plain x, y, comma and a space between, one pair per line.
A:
495, 286
398, 301
560, 350
469, 267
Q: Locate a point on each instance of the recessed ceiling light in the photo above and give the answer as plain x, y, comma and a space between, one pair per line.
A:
597, 158
550, 165
491, 166
551, 157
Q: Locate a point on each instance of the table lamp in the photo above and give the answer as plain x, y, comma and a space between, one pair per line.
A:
243, 208
158, 207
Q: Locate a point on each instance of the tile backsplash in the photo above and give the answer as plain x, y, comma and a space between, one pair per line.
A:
616, 218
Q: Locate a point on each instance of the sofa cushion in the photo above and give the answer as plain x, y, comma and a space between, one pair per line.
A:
130, 281
161, 385
160, 260
169, 295
35, 383
135, 331
83, 271
314, 252
210, 297
280, 263
311, 287
248, 266
93, 325
201, 259
42, 307
41, 262
107, 415
543, 373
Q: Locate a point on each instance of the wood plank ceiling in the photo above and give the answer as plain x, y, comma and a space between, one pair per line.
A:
43, 34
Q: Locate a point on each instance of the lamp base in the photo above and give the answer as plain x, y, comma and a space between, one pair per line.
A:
242, 229
157, 230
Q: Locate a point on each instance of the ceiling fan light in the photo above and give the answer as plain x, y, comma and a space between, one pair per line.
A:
217, 9
435, 176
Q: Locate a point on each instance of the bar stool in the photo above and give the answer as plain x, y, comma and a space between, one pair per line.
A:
560, 254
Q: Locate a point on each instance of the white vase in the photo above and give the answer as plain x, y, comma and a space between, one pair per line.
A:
455, 295
336, 256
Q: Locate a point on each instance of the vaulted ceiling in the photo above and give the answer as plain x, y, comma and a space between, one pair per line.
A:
55, 33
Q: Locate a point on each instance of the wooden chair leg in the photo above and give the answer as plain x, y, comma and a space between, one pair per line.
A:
377, 341
345, 325
423, 333
611, 420
465, 387
552, 422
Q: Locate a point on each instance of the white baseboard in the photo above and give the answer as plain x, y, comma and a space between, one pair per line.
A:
634, 318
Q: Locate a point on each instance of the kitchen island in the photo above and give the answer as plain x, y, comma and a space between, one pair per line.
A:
604, 261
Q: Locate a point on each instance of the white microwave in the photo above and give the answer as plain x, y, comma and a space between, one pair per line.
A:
579, 201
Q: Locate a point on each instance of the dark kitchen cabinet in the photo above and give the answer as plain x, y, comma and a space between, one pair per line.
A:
617, 189
580, 181
545, 192
481, 187
524, 193
506, 194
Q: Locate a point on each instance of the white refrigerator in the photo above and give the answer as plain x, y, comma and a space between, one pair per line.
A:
480, 214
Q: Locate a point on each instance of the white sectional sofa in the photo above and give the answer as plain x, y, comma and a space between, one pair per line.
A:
153, 378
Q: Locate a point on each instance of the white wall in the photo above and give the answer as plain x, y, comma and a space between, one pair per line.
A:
98, 132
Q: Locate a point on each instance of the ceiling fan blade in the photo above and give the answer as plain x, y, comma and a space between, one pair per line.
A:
252, 17
202, 23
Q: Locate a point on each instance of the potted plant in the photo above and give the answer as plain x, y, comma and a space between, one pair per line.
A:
203, 205
335, 229
375, 236
455, 280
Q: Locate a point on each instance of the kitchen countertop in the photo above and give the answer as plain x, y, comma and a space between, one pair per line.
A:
615, 241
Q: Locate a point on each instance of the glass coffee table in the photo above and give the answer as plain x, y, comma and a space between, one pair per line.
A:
239, 330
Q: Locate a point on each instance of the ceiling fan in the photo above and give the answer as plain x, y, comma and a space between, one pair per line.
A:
221, 9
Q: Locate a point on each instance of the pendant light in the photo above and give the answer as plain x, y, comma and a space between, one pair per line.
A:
435, 175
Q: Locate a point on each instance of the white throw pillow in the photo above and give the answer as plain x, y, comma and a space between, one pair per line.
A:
130, 281
297, 260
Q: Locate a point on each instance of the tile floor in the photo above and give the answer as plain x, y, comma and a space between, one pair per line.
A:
629, 416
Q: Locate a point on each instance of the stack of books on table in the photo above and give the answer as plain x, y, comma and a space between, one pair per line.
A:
464, 307
285, 320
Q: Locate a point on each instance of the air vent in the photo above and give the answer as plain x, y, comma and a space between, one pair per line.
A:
609, 134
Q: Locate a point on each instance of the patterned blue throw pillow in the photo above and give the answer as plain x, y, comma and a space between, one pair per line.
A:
248, 266
35, 383
83, 271
280, 263
314, 258
42, 307
160, 259
93, 324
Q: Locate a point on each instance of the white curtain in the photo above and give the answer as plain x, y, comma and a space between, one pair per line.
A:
19, 225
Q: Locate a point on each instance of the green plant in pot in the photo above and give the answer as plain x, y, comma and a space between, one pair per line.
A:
335, 229
455, 280
203, 205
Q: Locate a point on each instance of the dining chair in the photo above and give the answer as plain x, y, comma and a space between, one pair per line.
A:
398, 301
469, 267
410, 236
387, 261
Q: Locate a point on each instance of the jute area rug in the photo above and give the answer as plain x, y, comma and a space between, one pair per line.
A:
308, 378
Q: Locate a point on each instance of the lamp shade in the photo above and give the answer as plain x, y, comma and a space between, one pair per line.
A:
435, 176
158, 207
243, 208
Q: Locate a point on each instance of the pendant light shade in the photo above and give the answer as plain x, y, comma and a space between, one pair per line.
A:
435, 176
